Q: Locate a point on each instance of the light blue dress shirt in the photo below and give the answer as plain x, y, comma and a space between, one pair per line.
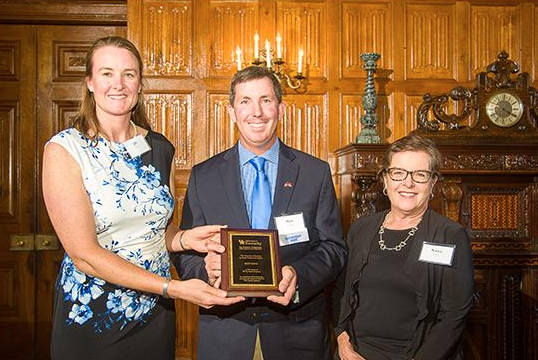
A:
248, 173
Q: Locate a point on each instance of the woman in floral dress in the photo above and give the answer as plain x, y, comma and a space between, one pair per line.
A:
108, 188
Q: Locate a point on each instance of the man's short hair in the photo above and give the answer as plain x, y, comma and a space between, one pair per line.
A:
255, 73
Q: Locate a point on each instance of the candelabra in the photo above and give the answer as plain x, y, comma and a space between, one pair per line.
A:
275, 63
368, 132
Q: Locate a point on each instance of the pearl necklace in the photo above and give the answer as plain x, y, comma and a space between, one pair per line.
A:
402, 243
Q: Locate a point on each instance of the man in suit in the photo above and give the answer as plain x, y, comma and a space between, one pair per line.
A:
222, 191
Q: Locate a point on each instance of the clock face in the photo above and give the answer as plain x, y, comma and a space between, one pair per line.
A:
504, 109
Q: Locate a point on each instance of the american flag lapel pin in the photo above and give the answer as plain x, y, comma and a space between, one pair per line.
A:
288, 184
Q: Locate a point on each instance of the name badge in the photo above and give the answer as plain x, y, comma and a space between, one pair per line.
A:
291, 229
137, 146
441, 254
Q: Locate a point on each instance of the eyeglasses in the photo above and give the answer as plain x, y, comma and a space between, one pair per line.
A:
418, 176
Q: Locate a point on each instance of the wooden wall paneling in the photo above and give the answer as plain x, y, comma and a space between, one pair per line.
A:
493, 29
303, 25
526, 38
304, 125
406, 123
233, 24
430, 33
462, 43
166, 37
424, 47
9, 111
366, 27
533, 27
171, 115
222, 130
96, 12
17, 195
334, 45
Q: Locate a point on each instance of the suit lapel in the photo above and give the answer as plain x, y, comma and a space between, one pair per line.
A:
286, 180
231, 177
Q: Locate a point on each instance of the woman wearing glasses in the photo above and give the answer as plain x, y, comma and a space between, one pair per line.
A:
409, 278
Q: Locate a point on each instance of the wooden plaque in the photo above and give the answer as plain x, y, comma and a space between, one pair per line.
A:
251, 263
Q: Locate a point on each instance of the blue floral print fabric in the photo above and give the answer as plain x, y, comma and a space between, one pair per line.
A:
132, 205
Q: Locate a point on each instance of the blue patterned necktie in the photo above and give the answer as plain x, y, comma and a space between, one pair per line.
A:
260, 204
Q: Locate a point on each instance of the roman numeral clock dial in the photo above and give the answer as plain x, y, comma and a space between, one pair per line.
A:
504, 109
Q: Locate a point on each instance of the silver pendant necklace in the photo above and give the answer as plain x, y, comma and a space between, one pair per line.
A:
402, 243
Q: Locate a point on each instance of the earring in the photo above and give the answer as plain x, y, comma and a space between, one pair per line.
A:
431, 195
385, 191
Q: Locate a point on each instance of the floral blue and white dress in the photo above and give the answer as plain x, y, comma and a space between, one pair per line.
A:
132, 205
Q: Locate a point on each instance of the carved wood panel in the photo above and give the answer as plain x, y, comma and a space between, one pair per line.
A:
9, 55
171, 115
234, 24
430, 46
8, 180
303, 126
495, 28
365, 28
166, 37
63, 113
69, 60
222, 130
304, 25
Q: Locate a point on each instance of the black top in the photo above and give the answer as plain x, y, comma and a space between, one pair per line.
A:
443, 294
387, 311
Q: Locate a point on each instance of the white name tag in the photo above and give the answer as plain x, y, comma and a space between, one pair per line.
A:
137, 146
291, 229
441, 254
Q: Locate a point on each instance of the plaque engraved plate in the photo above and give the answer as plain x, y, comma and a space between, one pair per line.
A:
251, 263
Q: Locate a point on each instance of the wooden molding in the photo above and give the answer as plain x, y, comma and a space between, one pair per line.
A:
104, 12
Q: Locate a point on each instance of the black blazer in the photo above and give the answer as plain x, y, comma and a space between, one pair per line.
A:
215, 196
444, 294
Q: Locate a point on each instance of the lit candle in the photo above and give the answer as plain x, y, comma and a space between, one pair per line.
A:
256, 46
238, 58
278, 46
300, 64
268, 53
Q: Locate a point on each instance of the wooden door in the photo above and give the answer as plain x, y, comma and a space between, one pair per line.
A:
41, 69
17, 190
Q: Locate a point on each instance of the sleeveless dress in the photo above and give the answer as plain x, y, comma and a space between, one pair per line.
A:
132, 205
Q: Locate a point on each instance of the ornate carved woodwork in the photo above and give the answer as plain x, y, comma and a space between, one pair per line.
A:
503, 107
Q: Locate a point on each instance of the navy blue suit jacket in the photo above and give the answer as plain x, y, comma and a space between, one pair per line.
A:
215, 196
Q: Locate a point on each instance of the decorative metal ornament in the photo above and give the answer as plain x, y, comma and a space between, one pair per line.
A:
368, 134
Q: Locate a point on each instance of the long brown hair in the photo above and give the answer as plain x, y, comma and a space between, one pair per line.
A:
86, 120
